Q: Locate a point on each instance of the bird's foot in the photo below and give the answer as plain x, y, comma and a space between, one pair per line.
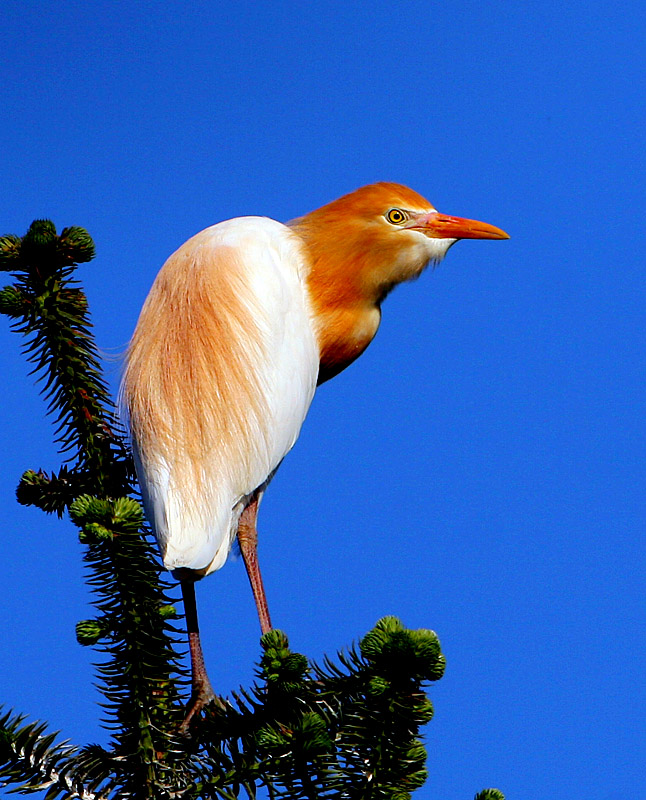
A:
202, 695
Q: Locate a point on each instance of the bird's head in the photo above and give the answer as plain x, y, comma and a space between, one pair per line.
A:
381, 235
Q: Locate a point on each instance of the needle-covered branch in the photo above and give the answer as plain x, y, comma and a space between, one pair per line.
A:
49, 309
134, 629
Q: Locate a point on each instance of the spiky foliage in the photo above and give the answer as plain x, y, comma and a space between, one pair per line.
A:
48, 307
133, 630
348, 729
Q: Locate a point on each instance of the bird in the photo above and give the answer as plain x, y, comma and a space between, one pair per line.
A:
241, 325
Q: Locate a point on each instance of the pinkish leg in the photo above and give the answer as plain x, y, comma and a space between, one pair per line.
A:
248, 539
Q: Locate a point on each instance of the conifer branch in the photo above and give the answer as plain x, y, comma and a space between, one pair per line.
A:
36, 762
134, 625
49, 309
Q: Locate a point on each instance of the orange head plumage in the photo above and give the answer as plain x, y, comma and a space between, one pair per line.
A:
360, 247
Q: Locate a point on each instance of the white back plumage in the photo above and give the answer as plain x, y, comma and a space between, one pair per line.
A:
220, 374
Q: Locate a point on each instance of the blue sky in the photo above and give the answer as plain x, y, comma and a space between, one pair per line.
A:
480, 470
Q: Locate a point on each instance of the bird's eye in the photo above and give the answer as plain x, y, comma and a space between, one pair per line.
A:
396, 216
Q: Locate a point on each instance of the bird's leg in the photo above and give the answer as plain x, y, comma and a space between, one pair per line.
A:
202, 691
248, 539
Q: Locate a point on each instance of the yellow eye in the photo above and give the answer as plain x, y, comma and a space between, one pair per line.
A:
396, 216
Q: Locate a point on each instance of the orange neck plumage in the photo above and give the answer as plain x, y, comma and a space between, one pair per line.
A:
354, 264
346, 311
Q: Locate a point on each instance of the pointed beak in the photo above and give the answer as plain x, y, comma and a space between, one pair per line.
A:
441, 226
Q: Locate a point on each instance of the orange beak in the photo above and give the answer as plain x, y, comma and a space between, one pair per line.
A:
441, 226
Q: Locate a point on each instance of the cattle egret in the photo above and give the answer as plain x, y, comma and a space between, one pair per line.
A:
241, 324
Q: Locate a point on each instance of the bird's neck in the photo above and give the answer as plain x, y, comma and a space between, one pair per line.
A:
346, 302
343, 334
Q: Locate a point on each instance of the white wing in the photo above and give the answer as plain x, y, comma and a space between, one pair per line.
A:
221, 372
